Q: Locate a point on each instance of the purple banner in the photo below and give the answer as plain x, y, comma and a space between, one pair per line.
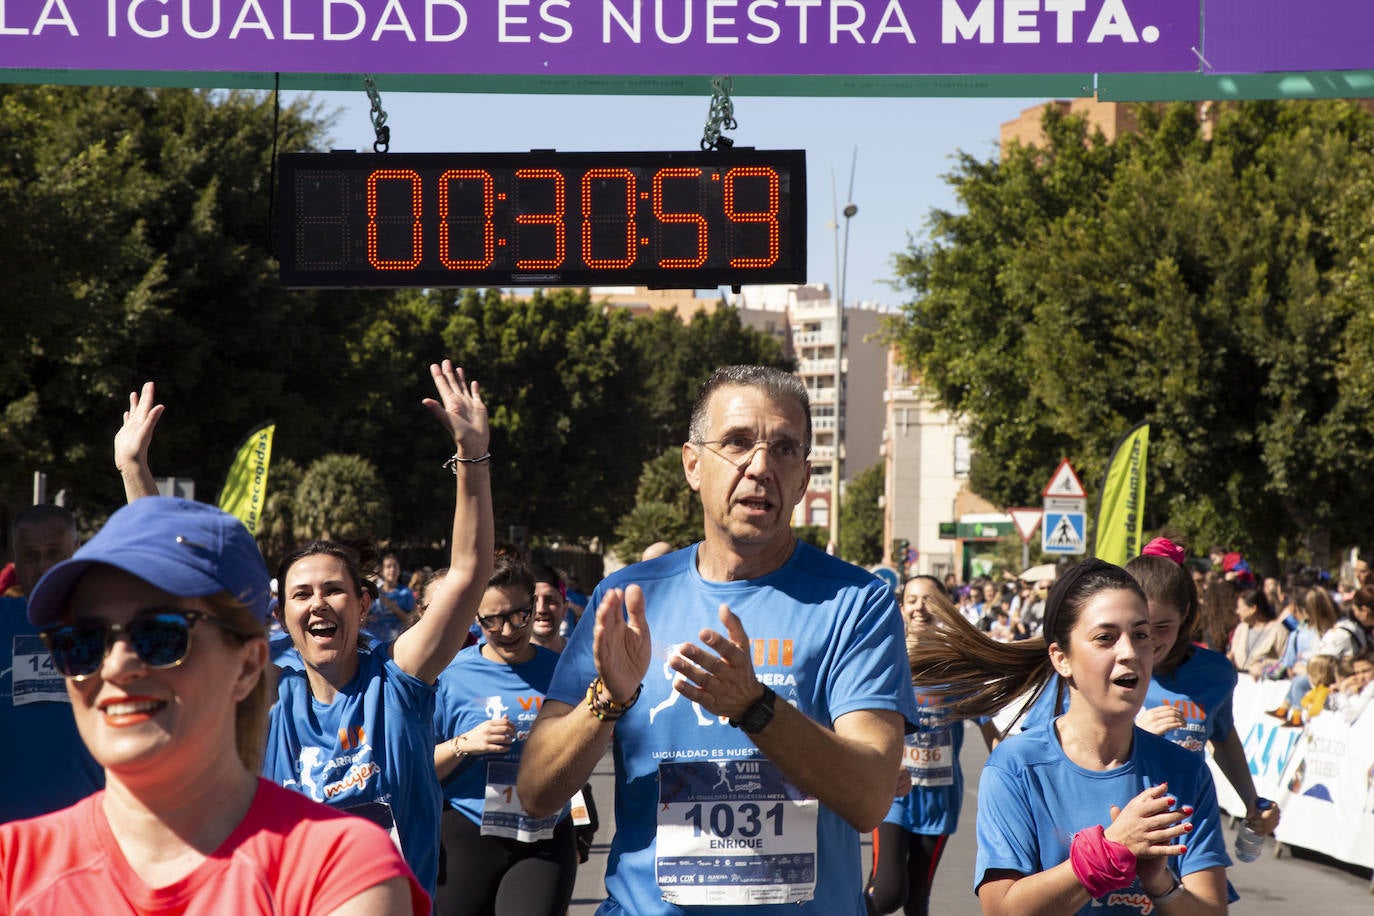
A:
562, 37
1257, 36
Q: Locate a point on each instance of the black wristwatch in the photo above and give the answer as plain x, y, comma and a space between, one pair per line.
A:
757, 717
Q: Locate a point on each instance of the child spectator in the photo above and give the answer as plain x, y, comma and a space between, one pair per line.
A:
1353, 692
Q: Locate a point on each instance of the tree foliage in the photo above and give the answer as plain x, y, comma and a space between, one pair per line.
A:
139, 246
340, 498
665, 509
1215, 286
137, 224
861, 517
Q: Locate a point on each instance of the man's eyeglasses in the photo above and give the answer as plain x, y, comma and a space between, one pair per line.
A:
518, 619
160, 638
739, 450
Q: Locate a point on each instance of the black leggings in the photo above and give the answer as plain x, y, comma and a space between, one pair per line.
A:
903, 870
493, 876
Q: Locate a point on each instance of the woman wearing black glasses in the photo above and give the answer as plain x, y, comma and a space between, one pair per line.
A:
498, 859
158, 625
351, 725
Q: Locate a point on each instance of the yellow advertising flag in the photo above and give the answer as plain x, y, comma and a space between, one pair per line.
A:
1121, 510
245, 486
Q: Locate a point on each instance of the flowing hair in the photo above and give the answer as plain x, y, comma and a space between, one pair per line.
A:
983, 676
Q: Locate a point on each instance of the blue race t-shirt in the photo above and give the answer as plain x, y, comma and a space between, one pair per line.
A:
827, 637
474, 689
1203, 689
1032, 799
931, 756
370, 753
45, 766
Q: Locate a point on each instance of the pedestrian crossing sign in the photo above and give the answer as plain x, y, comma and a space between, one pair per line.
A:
1063, 533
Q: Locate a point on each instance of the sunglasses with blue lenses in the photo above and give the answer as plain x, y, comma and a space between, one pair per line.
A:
160, 638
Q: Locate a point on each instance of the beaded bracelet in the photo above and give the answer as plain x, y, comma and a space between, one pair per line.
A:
608, 710
453, 462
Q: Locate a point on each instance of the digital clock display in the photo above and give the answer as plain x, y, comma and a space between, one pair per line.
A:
684, 220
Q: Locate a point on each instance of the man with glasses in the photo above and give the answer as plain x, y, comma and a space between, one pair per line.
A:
47, 767
797, 658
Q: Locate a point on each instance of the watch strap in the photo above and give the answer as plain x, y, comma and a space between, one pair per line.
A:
758, 715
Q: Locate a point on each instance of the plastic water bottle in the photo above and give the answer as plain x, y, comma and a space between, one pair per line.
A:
1249, 844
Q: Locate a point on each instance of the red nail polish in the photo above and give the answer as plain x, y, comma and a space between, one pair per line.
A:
1187, 828
1187, 809
1184, 848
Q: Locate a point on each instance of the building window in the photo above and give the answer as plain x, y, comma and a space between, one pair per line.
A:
963, 455
819, 513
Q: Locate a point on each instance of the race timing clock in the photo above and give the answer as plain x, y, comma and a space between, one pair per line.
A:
685, 220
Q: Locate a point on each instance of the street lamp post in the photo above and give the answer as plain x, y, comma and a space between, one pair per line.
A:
849, 211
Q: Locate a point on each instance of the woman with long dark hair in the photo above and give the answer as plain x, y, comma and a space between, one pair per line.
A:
908, 844
1089, 813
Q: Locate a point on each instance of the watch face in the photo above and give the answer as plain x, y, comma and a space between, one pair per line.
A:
758, 715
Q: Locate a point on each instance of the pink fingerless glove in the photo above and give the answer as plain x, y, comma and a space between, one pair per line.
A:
1101, 865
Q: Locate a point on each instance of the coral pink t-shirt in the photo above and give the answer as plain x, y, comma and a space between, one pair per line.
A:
289, 856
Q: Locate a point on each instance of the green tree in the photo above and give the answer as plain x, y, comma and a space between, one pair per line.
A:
138, 239
1209, 284
560, 377
139, 246
666, 509
277, 531
861, 517
675, 357
340, 497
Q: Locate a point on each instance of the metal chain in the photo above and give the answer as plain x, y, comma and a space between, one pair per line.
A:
383, 142
721, 115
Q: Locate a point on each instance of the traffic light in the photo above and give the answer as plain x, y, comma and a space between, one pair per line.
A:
899, 549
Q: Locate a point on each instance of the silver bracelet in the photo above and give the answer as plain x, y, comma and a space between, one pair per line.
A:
454, 461
1168, 895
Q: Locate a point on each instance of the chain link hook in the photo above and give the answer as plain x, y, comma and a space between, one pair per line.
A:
383, 141
721, 115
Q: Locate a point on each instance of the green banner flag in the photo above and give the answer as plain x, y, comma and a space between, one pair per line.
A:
245, 486
1121, 509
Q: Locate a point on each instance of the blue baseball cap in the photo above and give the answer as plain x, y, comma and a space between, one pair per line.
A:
185, 548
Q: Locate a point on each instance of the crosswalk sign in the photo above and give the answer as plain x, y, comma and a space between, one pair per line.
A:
1062, 533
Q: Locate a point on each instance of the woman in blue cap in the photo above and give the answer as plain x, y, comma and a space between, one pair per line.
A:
352, 723
158, 625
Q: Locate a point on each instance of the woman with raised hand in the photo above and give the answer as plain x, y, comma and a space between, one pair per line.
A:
352, 726
1088, 814
158, 625
498, 859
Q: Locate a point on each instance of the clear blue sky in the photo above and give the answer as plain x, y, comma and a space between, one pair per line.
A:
904, 147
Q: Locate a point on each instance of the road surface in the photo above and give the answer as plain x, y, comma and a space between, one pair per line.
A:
1289, 883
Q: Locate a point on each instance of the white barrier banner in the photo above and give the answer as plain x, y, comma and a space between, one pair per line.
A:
1321, 775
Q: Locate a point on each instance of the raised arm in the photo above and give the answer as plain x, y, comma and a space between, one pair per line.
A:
426, 648
132, 441
567, 741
